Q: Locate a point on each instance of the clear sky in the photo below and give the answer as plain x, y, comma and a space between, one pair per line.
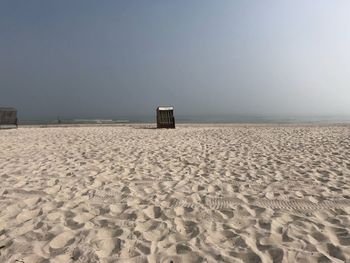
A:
110, 59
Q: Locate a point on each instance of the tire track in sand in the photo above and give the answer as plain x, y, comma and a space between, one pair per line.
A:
222, 203
302, 205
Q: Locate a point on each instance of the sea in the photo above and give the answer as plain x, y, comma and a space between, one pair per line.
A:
189, 119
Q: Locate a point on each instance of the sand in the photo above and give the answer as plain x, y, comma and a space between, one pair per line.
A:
233, 193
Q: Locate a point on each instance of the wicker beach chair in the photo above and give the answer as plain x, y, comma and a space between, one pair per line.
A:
8, 118
165, 117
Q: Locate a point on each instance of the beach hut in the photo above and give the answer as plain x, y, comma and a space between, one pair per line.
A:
8, 117
165, 117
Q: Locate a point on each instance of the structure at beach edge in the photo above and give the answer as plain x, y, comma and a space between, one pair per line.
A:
8, 118
165, 117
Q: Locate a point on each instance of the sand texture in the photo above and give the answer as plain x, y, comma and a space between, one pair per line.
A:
234, 193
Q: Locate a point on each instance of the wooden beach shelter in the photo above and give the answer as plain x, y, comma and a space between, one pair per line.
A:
8, 117
165, 117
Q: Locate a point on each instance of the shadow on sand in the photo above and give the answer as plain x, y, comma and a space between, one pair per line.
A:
145, 127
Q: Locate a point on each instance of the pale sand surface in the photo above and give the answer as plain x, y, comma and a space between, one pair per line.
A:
233, 193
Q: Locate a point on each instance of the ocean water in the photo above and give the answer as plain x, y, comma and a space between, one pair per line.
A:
192, 119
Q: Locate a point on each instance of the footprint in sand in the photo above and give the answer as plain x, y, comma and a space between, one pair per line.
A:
28, 215
53, 190
32, 201
107, 242
13, 210
270, 195
83, 218
188, 229
153, 230
186, 257
23, 229
117, 208
153, 211
82, 253
52, 182
33, 259
62, 240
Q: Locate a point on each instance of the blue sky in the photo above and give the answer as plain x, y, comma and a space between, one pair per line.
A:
111, 59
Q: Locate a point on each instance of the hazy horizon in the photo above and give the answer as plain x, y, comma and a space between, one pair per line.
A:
121, 59
223, 118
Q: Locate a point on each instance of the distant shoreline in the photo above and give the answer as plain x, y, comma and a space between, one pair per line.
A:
189, 121
210, 119
153, 125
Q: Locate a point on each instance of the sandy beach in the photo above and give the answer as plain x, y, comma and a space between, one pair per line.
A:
199, 193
